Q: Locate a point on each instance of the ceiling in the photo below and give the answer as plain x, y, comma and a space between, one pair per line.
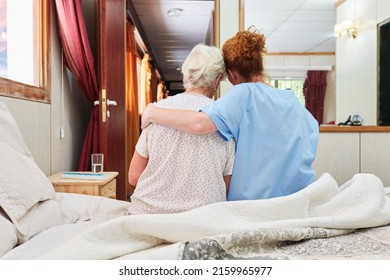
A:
289, 26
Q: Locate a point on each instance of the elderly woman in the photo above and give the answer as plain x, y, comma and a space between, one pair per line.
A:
175, 171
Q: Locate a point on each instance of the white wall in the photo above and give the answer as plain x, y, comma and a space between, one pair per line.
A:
296, 66
330, 98
228, 27
69, 112
357, 60
33, 119
383, 10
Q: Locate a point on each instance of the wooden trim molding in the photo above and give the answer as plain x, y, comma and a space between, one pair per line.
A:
23, 91
241, 15
338, 3
216, 19
335, 128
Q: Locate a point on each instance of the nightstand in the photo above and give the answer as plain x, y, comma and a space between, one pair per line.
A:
105, 187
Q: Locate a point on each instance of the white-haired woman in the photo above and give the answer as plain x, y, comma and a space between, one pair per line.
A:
175, 171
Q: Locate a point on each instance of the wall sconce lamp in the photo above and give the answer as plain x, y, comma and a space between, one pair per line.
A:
346, 28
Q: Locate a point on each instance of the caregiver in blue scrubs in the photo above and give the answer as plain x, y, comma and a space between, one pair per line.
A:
276, 137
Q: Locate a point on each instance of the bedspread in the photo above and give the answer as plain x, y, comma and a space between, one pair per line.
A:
296, 243
243, 229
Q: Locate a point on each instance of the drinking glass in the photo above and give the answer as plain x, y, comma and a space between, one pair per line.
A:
97, 163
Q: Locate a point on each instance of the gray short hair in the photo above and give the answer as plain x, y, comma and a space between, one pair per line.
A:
202, 66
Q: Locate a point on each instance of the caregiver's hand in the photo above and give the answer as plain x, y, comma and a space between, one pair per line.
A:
145, 120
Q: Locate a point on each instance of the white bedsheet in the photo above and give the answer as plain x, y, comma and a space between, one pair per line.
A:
47, 241
359, 203
79, 213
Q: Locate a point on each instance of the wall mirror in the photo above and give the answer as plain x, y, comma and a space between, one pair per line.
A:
384, 74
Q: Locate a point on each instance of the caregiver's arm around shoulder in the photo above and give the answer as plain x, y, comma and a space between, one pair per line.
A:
184, 120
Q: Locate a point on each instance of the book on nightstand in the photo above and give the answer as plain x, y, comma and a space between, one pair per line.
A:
83, 176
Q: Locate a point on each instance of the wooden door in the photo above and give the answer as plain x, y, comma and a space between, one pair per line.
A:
111, 79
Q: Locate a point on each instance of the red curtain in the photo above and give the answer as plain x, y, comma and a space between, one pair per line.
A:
314, 90
78, 58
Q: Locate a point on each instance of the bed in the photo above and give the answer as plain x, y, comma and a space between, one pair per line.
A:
323, 221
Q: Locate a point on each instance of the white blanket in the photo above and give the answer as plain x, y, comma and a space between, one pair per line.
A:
359, 203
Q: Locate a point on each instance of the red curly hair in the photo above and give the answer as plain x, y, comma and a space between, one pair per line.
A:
244, 53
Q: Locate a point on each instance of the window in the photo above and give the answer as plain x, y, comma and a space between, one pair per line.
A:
294, 85
24, 49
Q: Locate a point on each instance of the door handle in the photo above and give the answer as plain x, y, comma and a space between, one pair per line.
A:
106, 102
111, 102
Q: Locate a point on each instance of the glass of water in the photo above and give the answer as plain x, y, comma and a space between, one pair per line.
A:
97, 163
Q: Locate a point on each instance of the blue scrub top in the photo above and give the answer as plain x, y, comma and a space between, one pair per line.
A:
276, 140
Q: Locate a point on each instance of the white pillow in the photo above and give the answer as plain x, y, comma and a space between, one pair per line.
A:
26, 194
9, 131
22, 183
38, 218
7, 235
